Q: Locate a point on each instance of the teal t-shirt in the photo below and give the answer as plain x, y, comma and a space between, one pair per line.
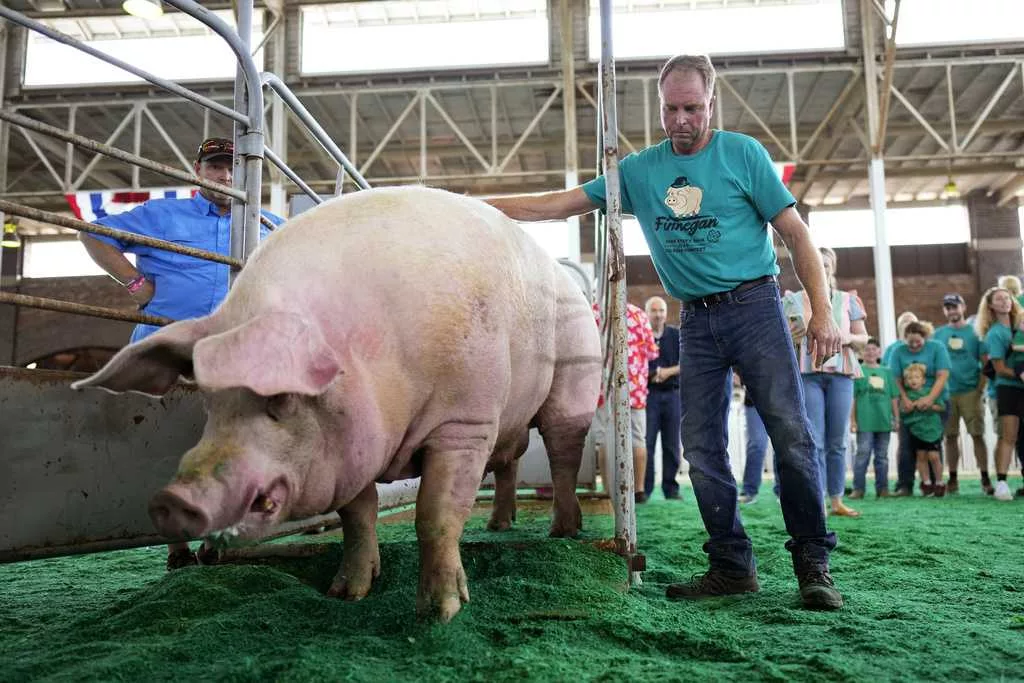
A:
997, 341
705, 216
890, 349
924, 424
932, 356
873, 394
964, 349
990, 386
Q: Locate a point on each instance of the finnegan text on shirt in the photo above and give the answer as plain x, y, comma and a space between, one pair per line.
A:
687, 225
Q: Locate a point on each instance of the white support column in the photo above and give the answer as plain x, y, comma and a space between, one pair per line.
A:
876, 183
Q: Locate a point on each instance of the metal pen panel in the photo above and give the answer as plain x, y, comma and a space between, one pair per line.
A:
321, 136
170, 86
623, 490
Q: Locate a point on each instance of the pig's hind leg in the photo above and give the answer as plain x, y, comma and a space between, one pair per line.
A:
506, 472
360, 564
564, 420
563, 440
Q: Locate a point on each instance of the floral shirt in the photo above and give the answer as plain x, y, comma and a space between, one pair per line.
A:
642, 348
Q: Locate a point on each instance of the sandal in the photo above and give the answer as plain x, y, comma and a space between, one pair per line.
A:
844, 511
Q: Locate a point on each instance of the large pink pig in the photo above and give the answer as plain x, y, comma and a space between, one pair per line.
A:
385, 335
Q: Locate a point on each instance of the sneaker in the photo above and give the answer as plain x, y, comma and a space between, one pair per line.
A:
673, 496
818, 590
856, 494
938, 490
903, 492
926, 489
953, 486
747, 500
1002, 491
883, 493
712, 584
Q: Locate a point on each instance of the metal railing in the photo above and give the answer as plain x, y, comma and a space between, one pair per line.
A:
250, 149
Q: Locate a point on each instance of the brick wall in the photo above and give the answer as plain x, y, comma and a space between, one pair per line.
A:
921, 294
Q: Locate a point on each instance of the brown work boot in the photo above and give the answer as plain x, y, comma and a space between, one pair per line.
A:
818, 590
938, 490
883, 493
953, 486
712, 584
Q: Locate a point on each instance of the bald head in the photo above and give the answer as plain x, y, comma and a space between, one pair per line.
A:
657, 312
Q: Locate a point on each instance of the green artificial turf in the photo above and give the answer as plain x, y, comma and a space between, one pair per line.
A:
933, 591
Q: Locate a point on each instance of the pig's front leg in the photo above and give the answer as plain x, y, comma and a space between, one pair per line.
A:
451, 477
360, 564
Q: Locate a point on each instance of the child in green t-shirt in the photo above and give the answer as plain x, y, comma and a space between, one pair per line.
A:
875, 415
925, 427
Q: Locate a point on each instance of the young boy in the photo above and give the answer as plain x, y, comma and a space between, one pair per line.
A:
925, 428
875, 415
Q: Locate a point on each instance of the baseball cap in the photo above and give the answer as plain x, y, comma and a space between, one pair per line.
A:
215, 147
952, 300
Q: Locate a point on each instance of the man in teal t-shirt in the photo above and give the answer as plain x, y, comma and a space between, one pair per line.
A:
706, 200
966, 385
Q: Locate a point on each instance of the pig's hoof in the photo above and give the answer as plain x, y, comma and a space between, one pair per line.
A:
354, 582
565, 532
443, 612
499, 524
567, 524
441, 597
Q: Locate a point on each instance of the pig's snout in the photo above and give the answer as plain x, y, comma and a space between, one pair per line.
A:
177, 518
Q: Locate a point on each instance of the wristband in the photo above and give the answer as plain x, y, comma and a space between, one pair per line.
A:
136, 284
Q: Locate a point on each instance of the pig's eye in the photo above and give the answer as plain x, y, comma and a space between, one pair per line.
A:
280, 406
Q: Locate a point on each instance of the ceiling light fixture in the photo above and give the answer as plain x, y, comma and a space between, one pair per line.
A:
144, 9
10, 239
950, 190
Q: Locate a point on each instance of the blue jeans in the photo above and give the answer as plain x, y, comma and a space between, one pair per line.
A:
749, 332
664, 412
868, 443
829, 398
757, 448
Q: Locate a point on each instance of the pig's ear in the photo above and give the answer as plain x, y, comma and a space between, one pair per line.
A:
274, 353
153, 365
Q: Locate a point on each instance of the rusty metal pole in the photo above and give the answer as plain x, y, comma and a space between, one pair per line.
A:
622, 445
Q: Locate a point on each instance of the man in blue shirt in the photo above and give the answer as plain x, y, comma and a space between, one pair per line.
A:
173, 285
966, 387
704, 199
664, 410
